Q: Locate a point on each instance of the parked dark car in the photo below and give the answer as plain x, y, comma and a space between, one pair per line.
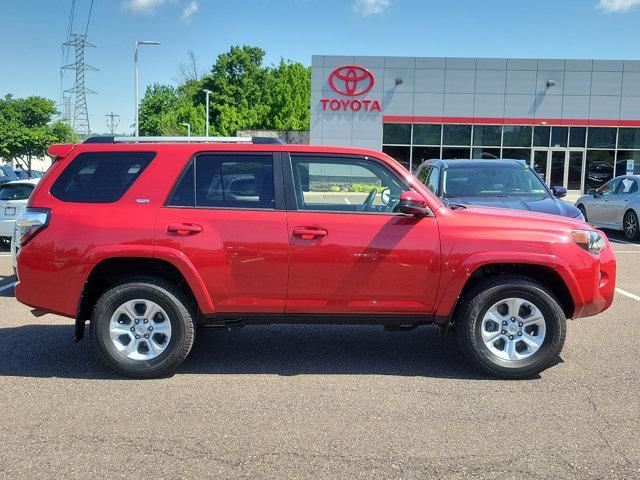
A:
26, 175
494, 183
7, 174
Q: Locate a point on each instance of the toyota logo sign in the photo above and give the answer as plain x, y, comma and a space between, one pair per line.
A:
351, 80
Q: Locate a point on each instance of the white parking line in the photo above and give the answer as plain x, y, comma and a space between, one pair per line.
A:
627, 294
615, 240
7, 287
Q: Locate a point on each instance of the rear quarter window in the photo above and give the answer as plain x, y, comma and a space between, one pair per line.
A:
100, 177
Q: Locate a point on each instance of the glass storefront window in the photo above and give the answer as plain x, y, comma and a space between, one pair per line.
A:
559, 136
456, 135
541, 136
399, 154
487, 135
517, 153
396, 133
599, 167
486, 153
577, 136
601, 137
621, 163
422, 154
516, 136
629, 138
426, 134
452, 153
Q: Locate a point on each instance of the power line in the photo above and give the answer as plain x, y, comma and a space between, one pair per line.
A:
86, 30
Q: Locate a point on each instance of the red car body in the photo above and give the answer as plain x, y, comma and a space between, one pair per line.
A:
288, 265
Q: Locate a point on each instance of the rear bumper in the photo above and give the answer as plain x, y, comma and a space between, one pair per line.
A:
49, 286
599, 286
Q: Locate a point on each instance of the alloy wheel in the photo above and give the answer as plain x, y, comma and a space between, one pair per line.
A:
140, 329
630, 225
513, 329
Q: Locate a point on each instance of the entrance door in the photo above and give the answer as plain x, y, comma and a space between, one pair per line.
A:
540, 163
558, 167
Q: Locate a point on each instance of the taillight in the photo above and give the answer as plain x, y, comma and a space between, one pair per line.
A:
30, 223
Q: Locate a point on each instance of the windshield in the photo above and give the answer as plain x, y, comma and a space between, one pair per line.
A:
15, 192
492, 181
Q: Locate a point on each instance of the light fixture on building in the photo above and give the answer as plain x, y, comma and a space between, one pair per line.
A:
551, 83
398, 81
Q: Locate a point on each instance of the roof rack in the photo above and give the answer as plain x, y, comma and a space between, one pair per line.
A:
253, 140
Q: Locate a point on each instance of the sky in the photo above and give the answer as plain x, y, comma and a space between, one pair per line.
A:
32, 33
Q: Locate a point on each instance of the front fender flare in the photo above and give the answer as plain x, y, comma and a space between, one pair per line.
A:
460, 275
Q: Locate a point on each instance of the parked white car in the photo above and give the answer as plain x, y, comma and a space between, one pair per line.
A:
615, 205
13, 201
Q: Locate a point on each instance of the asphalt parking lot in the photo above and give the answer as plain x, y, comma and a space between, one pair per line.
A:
321, 402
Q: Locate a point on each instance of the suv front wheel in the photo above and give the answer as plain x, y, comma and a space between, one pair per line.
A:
511, 327
143, 327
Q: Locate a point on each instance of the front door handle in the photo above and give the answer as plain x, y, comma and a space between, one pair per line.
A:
184, 229
309, 233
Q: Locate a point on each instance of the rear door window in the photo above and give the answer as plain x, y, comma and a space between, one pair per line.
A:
226, 181
100, 177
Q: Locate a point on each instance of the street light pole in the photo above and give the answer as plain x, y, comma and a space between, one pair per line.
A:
188, 125
136, 44
207, 92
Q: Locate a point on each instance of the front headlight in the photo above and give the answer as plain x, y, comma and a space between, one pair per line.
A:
589, 240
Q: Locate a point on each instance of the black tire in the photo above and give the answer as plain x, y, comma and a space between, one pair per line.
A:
171, 299
583, 211
630, 218
477, 303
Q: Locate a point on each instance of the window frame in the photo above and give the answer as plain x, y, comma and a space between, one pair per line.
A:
290, 187
278, 185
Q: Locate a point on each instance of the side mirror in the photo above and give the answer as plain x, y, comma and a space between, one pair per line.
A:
559, 192
412, 203
592, 191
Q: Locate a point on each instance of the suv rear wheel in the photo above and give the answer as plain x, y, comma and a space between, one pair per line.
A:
143, 327
511, 327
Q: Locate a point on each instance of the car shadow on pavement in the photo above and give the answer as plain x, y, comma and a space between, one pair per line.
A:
616, 236
49, 351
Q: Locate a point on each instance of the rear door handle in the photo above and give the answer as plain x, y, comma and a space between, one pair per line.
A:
309, 233
184, 229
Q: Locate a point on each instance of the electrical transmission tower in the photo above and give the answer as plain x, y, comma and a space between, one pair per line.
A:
112, 122
80, 121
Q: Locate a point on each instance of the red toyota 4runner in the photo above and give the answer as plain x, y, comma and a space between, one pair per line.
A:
149, 240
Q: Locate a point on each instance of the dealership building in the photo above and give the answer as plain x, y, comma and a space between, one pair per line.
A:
577, 122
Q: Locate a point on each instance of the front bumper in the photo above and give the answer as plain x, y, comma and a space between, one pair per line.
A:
598, 288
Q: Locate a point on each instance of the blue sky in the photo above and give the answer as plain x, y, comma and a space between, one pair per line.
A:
33, 31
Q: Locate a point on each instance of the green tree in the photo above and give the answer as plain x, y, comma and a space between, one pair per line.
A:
27, 129
245, 95
164, 108
242, 90
291, 99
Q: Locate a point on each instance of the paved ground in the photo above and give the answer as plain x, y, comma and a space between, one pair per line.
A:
321, 402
